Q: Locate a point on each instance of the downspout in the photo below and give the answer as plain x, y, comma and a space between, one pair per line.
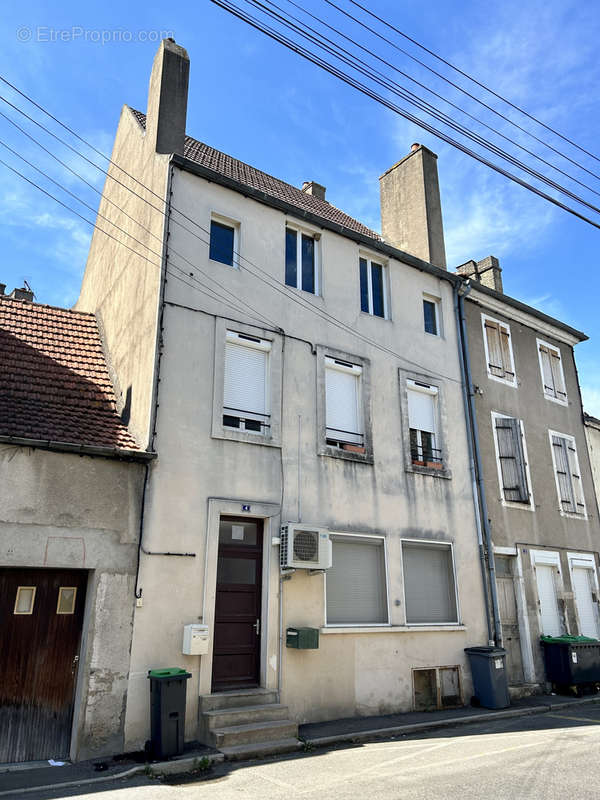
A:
492, 615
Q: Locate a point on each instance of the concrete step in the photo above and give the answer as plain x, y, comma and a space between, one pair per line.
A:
242, 697
271, 731
238, 752
244, 715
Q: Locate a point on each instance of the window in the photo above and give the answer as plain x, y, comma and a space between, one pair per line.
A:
553, 379
222, 242
512, 459
246, 383
343, 415
568, 476
24, 600
66, 600
429, 587
498, 350
373, 294
431, 315
422, 422
300, 260
356, 587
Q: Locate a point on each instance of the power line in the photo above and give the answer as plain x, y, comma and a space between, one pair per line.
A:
464, 91
359, 65
328, 67
474, 80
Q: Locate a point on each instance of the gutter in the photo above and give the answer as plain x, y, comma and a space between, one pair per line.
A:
484, 535
80, 449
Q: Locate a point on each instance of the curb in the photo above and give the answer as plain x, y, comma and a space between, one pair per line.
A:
159, 768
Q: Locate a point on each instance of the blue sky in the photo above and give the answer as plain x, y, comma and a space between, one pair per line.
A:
261, 103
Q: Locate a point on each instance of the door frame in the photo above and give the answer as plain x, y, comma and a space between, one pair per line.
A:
586, 561
270, 514
522, 615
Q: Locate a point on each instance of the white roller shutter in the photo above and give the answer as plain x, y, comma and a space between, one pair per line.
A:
547, 597
429, 588
582, 586
356, 583
421, 408
342, 400
246, 384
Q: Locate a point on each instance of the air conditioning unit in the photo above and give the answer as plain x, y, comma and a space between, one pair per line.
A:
305, 547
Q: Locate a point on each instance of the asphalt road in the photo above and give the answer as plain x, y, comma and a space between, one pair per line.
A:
546, 756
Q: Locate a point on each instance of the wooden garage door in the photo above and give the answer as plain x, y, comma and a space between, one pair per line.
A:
41, 616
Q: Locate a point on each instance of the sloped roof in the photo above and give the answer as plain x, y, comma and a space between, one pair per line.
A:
54, 380
250, 176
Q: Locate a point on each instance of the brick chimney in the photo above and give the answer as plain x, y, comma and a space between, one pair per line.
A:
310, 187
167, 98
487, 272
411, 211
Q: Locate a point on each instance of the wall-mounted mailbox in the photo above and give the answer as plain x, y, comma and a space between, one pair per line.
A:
195, 640
302, 638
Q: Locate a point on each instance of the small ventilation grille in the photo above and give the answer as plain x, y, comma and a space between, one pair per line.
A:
306, 545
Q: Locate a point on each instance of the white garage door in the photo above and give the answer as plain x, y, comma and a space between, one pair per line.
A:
547, 596
582, 585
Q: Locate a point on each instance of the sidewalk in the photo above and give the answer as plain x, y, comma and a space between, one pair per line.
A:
24, 779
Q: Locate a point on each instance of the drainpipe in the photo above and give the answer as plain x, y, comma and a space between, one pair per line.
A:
481, 511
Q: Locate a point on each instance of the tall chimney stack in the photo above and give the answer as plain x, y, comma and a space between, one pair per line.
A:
411, 211
167, 98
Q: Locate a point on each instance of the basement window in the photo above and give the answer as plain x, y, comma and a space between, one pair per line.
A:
437, 688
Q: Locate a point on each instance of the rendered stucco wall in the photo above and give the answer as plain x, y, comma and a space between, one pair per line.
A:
78, 512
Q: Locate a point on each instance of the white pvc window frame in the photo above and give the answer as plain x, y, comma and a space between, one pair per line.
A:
388, 624
229, 222
563, 401
356, 370
433, 543
569, 439
265, 346
363, 256
316, 237
511, 503
437, 304
506, 381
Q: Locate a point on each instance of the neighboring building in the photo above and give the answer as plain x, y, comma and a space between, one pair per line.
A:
288, 366
68, 537
592, 433
538, 480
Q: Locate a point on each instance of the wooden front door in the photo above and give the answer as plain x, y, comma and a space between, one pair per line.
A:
509, 618
236, 650
41, 616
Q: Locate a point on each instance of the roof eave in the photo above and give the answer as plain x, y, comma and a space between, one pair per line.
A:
123, 454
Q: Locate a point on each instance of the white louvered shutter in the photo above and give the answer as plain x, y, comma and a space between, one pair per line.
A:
588, 616
494, 350
575, 475
245, 386
421, 410
547, 597
356, 584
563, 474
507, 362
557, 375
428, 583
512, 459
547, 375
342, 398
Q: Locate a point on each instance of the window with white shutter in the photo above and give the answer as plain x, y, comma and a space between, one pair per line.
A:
356, 587
568, 475
512, 460
343, 411
429, 586
498, 350
553, 379
246, 398
422, 422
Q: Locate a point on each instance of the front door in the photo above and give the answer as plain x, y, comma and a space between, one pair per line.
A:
548, 603
41, 616
583, 586
509, 618
236, 650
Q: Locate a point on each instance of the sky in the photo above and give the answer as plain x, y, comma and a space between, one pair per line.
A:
259, 102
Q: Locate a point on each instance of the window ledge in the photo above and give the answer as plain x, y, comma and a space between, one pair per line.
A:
572, 514
347, 455
375, 316
556, 400
519, 506
243, 436
505, 381
436, 473
391, 629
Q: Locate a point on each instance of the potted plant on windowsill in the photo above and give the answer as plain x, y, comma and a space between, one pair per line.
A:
353, 448
433, 464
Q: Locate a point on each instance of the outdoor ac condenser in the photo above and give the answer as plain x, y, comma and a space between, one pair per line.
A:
305, 547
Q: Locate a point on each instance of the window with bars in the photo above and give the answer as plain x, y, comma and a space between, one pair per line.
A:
301, 260
498, 349
425, 450
553, 379
511, 453
356, 586
429, 585
343, 409
246, 400
373, 289
568, 476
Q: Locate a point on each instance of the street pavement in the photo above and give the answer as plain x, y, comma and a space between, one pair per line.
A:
553, 756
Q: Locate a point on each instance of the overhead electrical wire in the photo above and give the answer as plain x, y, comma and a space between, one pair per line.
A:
369, 92
378, 77
472, 79
464, 91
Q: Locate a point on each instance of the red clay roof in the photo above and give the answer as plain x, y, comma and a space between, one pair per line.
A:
54, 381
250, 176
